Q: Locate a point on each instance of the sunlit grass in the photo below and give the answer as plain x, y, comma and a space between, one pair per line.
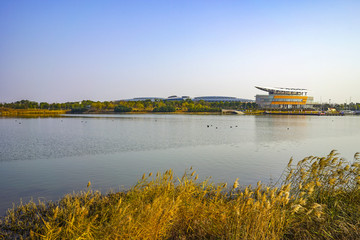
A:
30, 112
319, 197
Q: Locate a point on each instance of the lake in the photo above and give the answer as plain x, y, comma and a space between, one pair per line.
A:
48, 157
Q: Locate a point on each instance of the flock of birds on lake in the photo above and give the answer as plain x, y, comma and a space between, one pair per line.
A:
156, 121
217, 127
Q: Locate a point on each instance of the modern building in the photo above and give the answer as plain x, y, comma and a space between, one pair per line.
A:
183, 98
221, 99
153, 99
287, 98
177, 98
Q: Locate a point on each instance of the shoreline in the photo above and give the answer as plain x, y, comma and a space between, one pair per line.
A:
57, 113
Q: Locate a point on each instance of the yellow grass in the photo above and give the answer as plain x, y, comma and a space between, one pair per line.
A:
254, 112
30, 112
319, 198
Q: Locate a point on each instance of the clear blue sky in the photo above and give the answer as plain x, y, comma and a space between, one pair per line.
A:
58, 51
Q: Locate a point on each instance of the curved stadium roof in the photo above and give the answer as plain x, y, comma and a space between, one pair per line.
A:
290, 91
221, 99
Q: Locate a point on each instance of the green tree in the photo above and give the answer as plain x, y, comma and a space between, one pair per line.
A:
139, 105
44, 105
122, 108
97, 105
55, 106
164, 109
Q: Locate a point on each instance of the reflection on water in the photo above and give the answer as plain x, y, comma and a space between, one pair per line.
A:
48, 157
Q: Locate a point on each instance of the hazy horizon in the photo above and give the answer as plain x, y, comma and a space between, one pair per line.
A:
109, 50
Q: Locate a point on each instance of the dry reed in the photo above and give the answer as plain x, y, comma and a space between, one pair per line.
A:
318, 198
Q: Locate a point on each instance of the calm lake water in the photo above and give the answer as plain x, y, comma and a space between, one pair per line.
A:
49, 157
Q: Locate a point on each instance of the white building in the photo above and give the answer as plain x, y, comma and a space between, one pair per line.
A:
284, 98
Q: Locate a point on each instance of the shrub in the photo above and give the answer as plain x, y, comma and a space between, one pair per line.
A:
164, 109
122, 108
79, 110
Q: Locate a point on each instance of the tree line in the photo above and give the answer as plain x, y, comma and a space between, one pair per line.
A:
153, 106
132, 106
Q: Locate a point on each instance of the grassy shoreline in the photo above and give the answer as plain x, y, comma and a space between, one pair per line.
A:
55, 113
319, 198
8, 112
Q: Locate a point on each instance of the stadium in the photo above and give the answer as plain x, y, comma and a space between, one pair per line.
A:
221, 99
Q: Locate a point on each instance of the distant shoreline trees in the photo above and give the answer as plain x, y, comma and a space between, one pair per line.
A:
88, 106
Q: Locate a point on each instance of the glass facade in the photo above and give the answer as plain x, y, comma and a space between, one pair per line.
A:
284, 98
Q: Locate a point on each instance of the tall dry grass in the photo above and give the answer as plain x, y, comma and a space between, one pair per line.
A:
319, 198
9, 112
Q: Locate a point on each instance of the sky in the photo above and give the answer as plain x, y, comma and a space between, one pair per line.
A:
60, 51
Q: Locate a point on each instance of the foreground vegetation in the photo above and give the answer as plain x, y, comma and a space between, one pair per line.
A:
318, 198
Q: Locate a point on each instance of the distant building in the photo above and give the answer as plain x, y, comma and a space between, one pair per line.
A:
221, 99
153, 99
183, 98
284, 98
177, 98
